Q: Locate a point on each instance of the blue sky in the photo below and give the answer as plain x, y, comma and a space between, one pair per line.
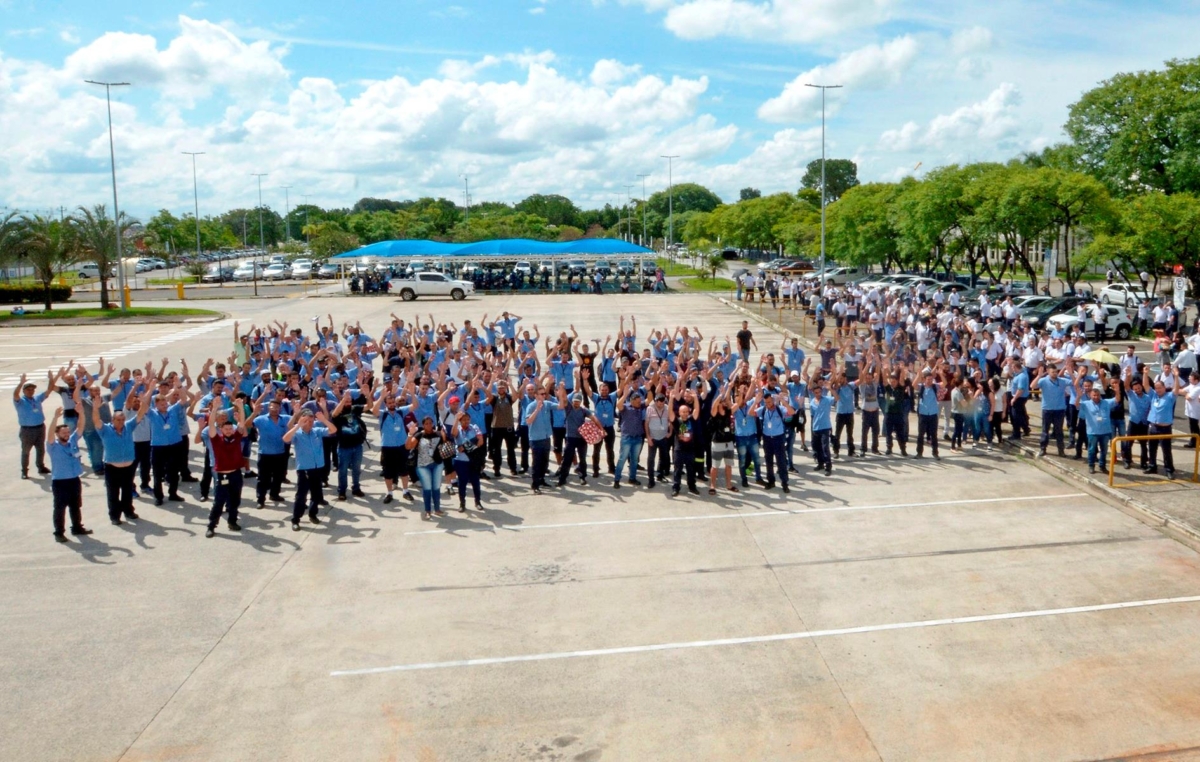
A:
400, 99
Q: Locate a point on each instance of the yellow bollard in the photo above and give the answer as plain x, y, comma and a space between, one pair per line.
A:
127, 298
179, 289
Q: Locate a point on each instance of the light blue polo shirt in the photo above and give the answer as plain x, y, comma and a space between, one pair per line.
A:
164, 427
744, 424
1097, 416
29, 409
605, 409
820, 408
118, 446
927, 403
64, 458
540, 428
391, 428
270, 434
1162, 409
772, 421
794, 358
1054, 393
845, 399
309, 447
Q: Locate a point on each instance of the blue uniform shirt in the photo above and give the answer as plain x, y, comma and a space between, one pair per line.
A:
540, 427
927, 403
1054, 393
845, 399
309, 447
391, 428
1162, 409
118, 446
794, 358
1139, 407
64, 458
164, 427
605, 409
469, 434
270, 434
820, 408
1098, 416
29, 409
772, 421
744, 425
120, 390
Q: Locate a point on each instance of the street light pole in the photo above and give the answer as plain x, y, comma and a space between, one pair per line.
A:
823, 88
306, 205
112, 155
196, 201
262, 243
287, 212
643, 208
670, 200
467, 199
629, 218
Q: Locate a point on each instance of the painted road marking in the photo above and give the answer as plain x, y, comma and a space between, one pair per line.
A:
772, 512
767, 638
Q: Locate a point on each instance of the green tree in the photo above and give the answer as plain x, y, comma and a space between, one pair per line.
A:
555, 209
687, 197
748, 193
840, 176
714, 262
377, 205
1141, 131
10, 234
48, 246
96, 237
1154, 232
860, 227
1070, 200
1016, 222
327, 239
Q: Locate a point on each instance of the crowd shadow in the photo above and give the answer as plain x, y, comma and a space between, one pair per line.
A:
96, 551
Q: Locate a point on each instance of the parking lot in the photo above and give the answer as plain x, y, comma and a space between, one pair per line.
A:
972, 608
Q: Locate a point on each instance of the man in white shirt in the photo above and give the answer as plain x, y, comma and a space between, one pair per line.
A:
1129, 361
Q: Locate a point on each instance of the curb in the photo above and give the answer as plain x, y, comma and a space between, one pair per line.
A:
1151, 517
145, 320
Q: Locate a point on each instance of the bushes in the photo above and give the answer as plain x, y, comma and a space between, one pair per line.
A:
32, 294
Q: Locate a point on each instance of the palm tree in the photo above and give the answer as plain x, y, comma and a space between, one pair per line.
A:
98, 241
48, 245
10, 228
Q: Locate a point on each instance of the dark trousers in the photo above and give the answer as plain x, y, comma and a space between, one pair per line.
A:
927, 429
610, 436
329, 444
162, 460
141, 453
523, 439
1079, 435
1073, 423
271, 470
1165, 444
686, 461
206, 478
895, 426
845, 421
820, 448
870, 425
118, 483
775, 449
1136, 430
1018, 417
574, 451
228, 496
308, 492
183, 469
33, 438
506, 438
467, 474
660, 449
1052, 420
541, 461
68, 496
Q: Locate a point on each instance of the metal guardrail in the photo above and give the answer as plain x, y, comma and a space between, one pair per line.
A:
1112, 460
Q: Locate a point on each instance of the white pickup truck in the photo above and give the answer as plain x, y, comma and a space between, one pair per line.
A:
432, 284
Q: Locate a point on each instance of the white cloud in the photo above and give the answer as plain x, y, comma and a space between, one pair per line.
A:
459, 69
970, 46
992, 121
202, 58
537, 10
68, 36
868, 68
767, 20
609, 72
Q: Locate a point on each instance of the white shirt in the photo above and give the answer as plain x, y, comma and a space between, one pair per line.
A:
1191, 405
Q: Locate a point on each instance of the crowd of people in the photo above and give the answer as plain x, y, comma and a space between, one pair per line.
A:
446, 407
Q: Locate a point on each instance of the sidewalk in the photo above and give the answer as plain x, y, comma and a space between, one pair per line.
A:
1172, 507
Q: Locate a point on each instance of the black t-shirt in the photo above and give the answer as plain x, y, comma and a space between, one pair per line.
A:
743, 339
351, 432
685, 433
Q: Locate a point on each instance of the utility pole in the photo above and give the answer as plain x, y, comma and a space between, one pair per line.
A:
643, 208
287, 211
196, 200
467, 198
823, 88
262, 244
670, 201
629, 219
112, 155
306, 205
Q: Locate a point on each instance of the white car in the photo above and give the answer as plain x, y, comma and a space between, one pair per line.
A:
277, 271
1031, 302
302, 268
433, 284
415, 267
1124, 295
91, 270
1117, 325
247, 271
524, 268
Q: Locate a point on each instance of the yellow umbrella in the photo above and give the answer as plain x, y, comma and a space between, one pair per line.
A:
1102, 356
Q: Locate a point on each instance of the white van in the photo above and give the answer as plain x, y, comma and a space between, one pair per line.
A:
89, 270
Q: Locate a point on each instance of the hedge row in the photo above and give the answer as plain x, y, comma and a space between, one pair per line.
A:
10, 294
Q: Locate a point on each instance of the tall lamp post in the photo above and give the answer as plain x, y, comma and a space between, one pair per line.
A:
670, 201
823, 88
629, 219
643, 208
112, 155
262, 241
287, 213
196, 201
466, 199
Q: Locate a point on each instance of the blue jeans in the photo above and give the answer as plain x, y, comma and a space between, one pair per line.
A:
747, 452
431, 486
631, 450
349, 458
1098, 446
95, 448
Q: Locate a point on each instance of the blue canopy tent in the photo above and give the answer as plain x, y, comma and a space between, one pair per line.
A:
501, 247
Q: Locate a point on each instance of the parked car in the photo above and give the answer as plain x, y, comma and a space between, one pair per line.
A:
1124, 295
277, 271
603, 267
1117, 324
524, 268
1037, 317
414, 267
277, 259
577, 267
839, 275
649, 268
433, 284
796, 266
248, 270
92, 270
302, 269
328, 270
626, 267
217, 275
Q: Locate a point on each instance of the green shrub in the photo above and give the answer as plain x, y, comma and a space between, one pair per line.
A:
32, 294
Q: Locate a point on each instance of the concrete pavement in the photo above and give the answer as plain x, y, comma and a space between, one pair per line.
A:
898, 610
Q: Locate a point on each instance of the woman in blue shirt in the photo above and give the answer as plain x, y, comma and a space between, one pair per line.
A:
468, 440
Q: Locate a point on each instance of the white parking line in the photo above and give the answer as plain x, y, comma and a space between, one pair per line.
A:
766, 638
763, 514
